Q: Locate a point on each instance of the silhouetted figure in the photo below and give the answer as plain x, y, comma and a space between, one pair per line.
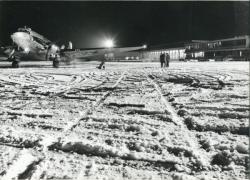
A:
162, 59
102, 65
167, 59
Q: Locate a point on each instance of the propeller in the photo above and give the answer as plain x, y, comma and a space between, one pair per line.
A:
11, 53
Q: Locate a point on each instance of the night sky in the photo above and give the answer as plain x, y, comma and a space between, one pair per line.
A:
86, 24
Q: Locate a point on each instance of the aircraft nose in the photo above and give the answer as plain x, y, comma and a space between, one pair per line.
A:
20, 36
17, 35
21, 39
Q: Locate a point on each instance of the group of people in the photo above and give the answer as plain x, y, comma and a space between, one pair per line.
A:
164, 59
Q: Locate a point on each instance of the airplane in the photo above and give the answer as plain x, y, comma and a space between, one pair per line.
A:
29, 45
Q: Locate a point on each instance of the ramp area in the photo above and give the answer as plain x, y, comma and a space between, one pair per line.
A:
130, 121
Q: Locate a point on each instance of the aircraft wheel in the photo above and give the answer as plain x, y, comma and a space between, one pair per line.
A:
55, 63
15, 64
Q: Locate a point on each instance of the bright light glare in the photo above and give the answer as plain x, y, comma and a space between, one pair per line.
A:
144, 46
26, 50
109, 43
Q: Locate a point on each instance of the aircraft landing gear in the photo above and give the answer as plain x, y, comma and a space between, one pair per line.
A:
55, 63
15, 64
56, 59
14, 60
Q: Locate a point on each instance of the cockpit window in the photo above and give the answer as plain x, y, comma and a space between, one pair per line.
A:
26, 30
37, 37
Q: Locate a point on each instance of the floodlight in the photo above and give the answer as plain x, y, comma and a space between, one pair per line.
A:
109, 43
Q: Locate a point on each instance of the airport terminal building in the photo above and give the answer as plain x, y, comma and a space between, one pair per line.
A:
236, 48
175, 50
229, 49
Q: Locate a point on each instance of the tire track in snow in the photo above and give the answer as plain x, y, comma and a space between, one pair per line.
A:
29, 166
73, 124
22, 166
67, 129
193, 146
175, 119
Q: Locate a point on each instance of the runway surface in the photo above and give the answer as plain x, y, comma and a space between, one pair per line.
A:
132, 120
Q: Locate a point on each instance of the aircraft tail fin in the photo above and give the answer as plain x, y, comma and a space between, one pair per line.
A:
70, 45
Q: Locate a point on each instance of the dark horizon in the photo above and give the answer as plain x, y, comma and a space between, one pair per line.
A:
130, 23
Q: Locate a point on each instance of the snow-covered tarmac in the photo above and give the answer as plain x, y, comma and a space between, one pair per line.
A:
130, 121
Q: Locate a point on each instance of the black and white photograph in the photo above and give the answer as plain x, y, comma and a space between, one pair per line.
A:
124, 90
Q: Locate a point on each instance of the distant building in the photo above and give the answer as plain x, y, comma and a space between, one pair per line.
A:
136, 55
175, 50
237, 48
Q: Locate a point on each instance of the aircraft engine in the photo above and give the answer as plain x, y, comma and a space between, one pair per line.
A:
52, 50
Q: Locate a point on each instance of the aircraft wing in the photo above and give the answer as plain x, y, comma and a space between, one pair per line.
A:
88, 53
7, 51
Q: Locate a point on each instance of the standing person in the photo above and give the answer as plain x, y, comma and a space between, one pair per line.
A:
167, 60
162, 59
